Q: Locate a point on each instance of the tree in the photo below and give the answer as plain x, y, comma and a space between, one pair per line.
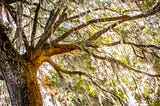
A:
91, 40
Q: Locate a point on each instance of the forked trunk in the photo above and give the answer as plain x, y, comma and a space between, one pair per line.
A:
19, 75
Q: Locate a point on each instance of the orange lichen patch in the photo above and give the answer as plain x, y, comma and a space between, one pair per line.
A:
34, 94
59, 49
38, 62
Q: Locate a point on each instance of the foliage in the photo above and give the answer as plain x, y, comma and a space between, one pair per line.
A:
116, 60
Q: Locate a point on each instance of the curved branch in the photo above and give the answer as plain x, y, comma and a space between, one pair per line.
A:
110, 59
133, 44
59, 69
49, 60
82, 14
121, 18
135, 70
134, 51
49, 50
142, 45
99, 33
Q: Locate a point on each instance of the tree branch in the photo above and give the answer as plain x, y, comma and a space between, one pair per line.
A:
133, 44
48, 28
59, 69
19, 30
49, 60
99, 33
35, 25
120, 63
26, 43
62, 17
121, 18
142, 45
89, 11
49, 50
82, 14
152, 53
134, 51
103, 89
11, 12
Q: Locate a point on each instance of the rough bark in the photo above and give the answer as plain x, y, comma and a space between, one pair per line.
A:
19, 74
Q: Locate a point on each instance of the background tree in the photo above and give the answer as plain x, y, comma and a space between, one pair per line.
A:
102, 52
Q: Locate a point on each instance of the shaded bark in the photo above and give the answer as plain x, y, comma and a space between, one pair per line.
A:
19, 75
12, 1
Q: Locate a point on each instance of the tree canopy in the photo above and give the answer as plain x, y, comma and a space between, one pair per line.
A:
102, 52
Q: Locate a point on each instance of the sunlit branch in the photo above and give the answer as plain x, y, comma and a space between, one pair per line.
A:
141, 45
83, 14
133, 44
121, 18
110, 59
49, 50
89, 11
18, 21
59, 69
35, 25
99, 33
52, 18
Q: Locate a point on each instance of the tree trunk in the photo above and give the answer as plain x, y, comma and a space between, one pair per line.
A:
19, 75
